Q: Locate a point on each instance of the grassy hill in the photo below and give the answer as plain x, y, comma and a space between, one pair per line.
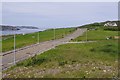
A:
82, 60
100, 25
71, 61
96, 35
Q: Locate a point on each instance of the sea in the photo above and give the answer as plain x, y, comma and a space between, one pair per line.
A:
21, 31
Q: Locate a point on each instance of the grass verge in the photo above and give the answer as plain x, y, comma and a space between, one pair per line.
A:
86, 60
29, 39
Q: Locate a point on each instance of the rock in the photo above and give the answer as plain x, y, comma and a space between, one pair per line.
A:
104, 70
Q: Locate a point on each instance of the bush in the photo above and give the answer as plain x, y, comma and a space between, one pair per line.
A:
62, 63
32, 61
92, 50
112, 28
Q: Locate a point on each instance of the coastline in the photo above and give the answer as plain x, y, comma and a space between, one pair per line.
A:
22, 31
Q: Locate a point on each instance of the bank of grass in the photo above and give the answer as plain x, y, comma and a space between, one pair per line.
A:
96, 35
87, 60
28, 39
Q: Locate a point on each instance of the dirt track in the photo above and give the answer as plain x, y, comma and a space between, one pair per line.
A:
26, 52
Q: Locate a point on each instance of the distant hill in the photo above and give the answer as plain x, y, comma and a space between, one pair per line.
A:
14, 28
27, 27
107, 25
4, 28
101, 24
111, 23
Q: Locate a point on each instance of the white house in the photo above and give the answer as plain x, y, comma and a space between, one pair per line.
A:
110, 24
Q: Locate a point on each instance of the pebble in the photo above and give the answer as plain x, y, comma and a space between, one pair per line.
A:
116, 61
104, 70
59, 67
69, 65
86, 71
67, 72
113, 74
28, 76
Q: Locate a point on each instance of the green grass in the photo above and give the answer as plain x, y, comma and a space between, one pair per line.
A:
90, 60
95, 35
28, 39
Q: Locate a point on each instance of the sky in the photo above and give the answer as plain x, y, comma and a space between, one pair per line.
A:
60, 0
57, 14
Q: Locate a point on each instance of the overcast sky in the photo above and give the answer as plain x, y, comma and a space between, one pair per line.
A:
57, 14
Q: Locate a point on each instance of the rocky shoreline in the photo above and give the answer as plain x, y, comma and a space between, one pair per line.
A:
15, 28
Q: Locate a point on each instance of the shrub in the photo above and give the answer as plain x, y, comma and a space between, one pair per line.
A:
111, 28
32, 61
62, 63
92, 50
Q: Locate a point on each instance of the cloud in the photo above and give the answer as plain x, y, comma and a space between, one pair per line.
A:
57, 13
34, 8
55, 8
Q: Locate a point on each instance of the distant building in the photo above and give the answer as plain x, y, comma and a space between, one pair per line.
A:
110, 24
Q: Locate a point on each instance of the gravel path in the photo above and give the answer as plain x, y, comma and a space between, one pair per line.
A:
29, 51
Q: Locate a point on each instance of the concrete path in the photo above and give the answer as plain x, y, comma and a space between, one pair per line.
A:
29, 51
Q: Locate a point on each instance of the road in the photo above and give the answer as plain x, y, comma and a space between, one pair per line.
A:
29, 51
